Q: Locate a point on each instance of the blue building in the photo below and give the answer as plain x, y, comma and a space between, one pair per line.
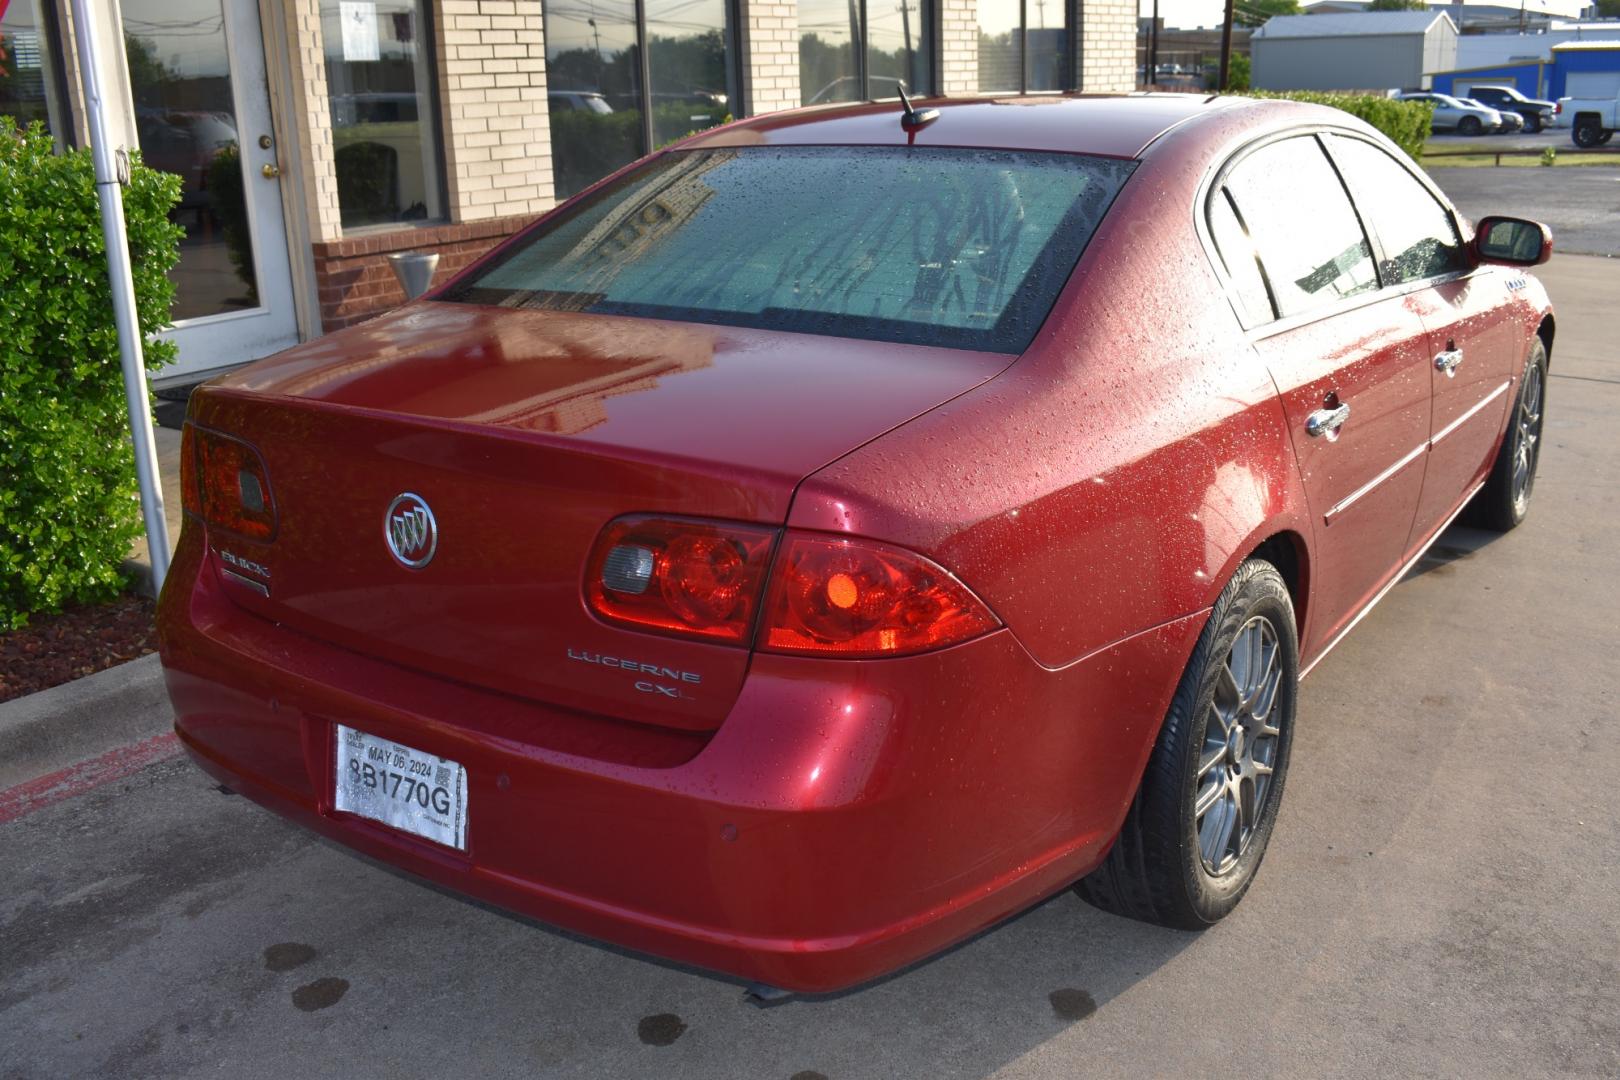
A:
1588, 69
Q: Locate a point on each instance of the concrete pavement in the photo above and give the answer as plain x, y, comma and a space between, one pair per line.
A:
1442, 895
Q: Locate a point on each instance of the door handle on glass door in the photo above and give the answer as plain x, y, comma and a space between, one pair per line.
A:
1326, 421
271, 170
1448, 361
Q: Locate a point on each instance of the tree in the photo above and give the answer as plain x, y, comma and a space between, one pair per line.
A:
1237, 73
1403, 5
1608, 9
1256, 12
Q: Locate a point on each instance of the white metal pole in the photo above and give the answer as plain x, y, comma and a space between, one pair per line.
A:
110, 192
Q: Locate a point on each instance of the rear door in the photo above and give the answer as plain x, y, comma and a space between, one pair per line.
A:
1349, 361
1474, 343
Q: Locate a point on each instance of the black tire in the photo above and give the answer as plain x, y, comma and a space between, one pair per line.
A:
1157, 870
1587, 133
1468, 125
1501, 504
1532, 124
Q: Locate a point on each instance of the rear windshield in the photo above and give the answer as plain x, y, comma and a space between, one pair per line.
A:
952, 247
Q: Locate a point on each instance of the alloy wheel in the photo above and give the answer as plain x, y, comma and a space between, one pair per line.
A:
1527, 439
1240, 747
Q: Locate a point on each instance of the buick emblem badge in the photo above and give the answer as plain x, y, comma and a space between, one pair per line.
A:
411, 532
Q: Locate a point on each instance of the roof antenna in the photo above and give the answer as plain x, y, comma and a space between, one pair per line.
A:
911, 119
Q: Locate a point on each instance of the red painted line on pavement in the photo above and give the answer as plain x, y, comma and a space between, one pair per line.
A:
86, 776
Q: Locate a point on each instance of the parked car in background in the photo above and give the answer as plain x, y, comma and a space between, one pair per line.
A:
1511, 122
1592, 121
588, 101
1451, 114
1537, 114
847, 528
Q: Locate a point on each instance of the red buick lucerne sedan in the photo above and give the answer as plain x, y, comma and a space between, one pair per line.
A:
844, 528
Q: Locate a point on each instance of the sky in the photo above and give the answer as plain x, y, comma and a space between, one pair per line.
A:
1195, 13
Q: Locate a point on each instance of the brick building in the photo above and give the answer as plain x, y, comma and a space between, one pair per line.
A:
315, 137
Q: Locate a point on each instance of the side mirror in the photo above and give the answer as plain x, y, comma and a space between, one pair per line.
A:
1514, 241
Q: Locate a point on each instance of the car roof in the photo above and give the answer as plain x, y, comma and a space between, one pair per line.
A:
1111, 125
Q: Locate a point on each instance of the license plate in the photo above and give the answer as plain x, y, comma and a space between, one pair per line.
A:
416, 792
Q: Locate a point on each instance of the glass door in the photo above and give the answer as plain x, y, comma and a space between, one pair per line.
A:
202, 111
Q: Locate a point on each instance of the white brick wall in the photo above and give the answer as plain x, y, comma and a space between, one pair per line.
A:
311, 118
492, 94
771, 76
1108, 46
959, 58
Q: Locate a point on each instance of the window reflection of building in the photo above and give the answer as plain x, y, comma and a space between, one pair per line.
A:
31, 87
853, 50
609, 103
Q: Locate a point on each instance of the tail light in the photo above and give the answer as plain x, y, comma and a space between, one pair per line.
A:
828, 596
679, 576
842, 597
225, 483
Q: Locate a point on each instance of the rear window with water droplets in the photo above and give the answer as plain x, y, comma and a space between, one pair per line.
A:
961, 248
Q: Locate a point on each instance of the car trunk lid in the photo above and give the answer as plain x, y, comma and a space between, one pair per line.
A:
526, 432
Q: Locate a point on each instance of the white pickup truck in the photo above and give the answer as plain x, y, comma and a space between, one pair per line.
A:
1591, 121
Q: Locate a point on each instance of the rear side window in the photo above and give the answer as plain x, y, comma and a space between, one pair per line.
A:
1238, 256
1416, 233
1309, 240
955, 247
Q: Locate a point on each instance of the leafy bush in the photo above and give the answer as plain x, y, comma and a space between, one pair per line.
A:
1405, 122
68, 503
1237, 73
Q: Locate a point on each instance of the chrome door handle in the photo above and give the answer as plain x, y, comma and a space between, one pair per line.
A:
1448, 361
1326, 421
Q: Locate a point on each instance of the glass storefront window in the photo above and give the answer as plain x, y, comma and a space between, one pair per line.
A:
185, 119
850, 50
380, 84
1023, 46
602, 114
686, 53
30, 86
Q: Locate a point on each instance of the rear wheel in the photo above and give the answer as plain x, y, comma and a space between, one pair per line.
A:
1198, 827
1532, 124
1588, 133
1468, 125
1504, 501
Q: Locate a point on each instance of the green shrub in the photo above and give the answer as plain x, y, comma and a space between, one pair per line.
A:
1405, 122
68, 503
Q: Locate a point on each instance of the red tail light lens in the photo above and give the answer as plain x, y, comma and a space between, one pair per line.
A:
679, 576
227, 484
854, 598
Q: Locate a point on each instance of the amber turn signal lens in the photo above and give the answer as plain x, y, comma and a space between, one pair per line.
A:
682, 576
226, 484
854, 598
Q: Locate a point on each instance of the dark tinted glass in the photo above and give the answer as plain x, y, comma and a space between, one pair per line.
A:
1415, 231
960, 248
897, 47
381, 87
829, 33
185, 118
686, 51
1001, 47
593, 81
1311, 245
28, 79
1047, 40
1237, 255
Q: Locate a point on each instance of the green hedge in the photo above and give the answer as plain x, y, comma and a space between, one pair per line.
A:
1405, 122
68, 503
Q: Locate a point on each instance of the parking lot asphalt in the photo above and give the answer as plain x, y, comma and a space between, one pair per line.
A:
1441, 898
1580, 202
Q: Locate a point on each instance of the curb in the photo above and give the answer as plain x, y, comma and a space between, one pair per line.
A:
50, 730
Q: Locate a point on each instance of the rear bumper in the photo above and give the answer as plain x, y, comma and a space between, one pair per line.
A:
848, 817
